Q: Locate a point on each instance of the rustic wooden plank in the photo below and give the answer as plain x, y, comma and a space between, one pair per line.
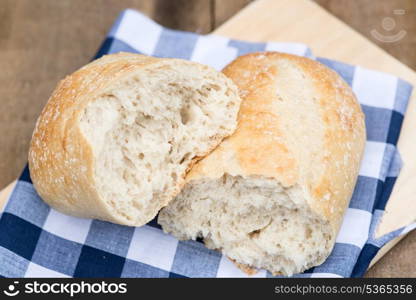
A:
188, 15
396, 260
223, 10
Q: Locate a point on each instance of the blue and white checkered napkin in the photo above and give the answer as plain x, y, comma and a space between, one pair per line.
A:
37, 241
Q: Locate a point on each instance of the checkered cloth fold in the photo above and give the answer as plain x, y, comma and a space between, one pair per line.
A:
37, 241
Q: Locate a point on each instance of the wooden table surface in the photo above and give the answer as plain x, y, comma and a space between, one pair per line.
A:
43, 40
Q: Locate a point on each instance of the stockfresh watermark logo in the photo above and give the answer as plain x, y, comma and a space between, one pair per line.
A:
12, 289
64, 288
390, 33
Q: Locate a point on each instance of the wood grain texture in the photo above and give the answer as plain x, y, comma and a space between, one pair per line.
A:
223, 10
194, 15
398, 261
43, 40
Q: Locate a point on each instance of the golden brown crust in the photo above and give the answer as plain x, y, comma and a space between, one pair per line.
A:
245, 268
250, 270
61, 161
315, 142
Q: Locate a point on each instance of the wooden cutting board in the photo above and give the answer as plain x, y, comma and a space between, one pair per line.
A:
305, 22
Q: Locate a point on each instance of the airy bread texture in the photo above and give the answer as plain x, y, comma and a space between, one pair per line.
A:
117, 137
272, 196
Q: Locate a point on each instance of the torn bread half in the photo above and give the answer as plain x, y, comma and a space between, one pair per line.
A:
116, 138
272, 196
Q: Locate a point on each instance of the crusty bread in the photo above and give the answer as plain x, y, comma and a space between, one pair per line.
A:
117, 137
273, 194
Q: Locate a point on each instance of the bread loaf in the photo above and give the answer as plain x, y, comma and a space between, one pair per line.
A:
272, 195
117, 137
